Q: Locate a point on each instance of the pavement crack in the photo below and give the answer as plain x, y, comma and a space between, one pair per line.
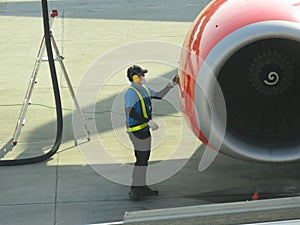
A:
56, 190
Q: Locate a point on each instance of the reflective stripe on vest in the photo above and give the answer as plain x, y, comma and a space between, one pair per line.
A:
148, 92
144, 125
138, 127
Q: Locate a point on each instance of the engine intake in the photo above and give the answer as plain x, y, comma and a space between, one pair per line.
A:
261, 88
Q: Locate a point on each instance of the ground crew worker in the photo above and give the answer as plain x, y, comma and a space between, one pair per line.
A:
139, 121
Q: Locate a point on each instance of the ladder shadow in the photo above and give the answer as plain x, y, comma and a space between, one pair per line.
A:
6, 148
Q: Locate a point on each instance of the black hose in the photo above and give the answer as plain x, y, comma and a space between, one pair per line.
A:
56, 92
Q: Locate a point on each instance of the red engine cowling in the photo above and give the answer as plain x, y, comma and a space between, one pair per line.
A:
249, 49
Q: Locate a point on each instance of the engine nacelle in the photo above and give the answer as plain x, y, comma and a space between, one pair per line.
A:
251, 49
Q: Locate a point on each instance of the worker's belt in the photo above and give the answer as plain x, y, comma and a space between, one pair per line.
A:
138, 127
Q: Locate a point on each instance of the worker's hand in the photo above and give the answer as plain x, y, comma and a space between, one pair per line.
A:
153, 125
174, 81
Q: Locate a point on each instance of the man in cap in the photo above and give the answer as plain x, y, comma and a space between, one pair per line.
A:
139, 121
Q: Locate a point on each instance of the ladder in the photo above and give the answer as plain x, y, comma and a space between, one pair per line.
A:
34, 79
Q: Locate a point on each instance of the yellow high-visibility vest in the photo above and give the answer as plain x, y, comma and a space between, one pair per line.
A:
144, 111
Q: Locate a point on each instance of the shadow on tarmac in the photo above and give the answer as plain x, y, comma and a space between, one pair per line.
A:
110, 9
102, 116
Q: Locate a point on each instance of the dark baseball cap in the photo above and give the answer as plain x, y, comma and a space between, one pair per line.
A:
136, 70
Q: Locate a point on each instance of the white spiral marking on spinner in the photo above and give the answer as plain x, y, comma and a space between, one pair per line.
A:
273, 79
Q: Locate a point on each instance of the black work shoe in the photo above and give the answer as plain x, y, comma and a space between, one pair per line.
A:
135, 194
146, 191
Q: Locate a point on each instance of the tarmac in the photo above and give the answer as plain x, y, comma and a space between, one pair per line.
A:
88, 182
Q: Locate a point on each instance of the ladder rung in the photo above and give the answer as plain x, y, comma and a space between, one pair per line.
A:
55, 58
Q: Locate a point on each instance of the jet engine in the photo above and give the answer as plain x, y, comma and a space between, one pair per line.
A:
249, 50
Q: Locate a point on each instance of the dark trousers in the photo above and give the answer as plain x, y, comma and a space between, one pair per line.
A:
142, 147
